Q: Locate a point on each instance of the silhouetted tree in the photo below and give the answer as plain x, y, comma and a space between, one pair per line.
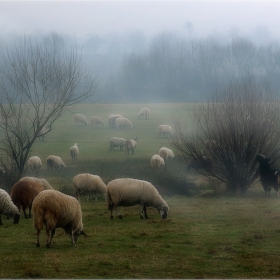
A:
239, 123
38, 80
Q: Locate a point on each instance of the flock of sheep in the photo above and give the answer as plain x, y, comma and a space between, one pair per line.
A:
55, 209
117, 121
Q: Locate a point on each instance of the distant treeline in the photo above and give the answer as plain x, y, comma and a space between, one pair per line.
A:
174, 68
169, 67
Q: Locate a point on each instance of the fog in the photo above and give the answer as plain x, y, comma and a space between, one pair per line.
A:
203, 42
82, 18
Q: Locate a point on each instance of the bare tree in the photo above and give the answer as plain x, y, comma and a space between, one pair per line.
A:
241, 122
38, 80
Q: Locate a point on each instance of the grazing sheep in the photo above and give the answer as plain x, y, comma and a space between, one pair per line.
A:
23, 193
79, 118
166, 153
90, 184
35, 164
43, 131
123, 123
268, 176
157, 162
7, 207
55, 162
164, 129
43, 182
96, 120
117, 142
130, 145
74, 151
144, 113
129, 192
57, 210
112, 119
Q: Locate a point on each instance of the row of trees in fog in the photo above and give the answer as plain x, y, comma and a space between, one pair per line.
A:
173, 68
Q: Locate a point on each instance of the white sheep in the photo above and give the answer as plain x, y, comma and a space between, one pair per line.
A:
43, 131
89, 183
164, 129
157, 162
166, 153
57, 210
112, 118
117, 142
79, 118
123, 123
129, 192
130, 145
74, 151
34, 164
96, 120
55, 162
7, 207
43, 182
144, 113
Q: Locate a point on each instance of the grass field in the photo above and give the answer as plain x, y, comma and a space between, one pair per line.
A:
203, 237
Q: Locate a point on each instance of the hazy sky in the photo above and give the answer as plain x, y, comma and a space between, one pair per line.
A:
81, 18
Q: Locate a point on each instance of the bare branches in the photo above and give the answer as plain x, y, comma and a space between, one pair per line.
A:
241, 122
38, 80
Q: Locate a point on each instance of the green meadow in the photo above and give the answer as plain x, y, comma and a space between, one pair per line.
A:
205, 235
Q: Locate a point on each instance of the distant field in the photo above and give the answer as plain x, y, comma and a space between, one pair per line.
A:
95, 155
203, 237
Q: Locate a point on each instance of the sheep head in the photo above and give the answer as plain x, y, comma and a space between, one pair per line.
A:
16, 218
262, 159
163, 212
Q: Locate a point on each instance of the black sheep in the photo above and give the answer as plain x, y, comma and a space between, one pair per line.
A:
269, 177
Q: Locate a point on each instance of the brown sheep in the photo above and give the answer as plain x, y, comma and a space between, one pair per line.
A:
23, 194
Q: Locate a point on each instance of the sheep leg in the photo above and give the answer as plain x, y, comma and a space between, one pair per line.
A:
38, 234
1, 221
143, 212
49, 233
29, 210
110, 207
24, 212
52, 234
118, 213
74, 238
111, 215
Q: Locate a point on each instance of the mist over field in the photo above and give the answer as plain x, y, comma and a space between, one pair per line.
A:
157, 51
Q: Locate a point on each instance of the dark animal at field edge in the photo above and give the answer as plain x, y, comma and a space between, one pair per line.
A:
269, 177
